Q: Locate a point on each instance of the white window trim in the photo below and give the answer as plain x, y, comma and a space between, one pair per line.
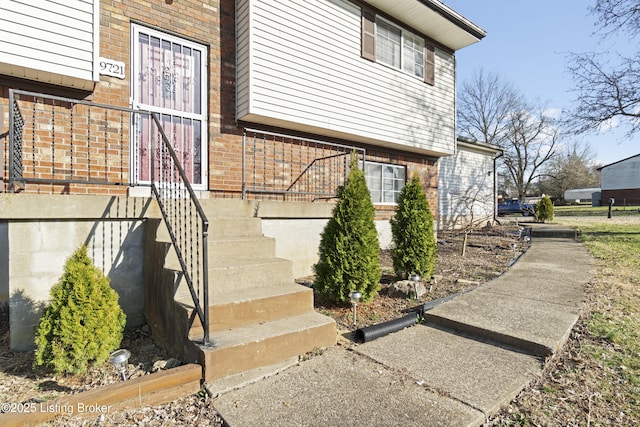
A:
382, 191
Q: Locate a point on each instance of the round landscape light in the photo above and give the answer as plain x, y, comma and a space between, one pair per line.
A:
119, 359
355, 297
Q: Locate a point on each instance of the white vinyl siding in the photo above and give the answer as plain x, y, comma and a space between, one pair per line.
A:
299, 66
465, 188
50, 41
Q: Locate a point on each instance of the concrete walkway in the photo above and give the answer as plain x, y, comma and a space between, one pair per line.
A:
472, 356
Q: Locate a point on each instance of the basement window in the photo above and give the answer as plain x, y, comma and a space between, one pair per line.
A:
385, 181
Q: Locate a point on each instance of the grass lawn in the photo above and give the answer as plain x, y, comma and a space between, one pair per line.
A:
587, 210
595, 379
614, 325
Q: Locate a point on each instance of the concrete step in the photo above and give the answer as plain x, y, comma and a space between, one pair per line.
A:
221, 228
233, 208
246, 259
234, 227
244, 307
239, 275
553, 232
225, 249
242, 349
242, 273
258, 316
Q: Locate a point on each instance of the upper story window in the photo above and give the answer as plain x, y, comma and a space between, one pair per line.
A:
385, 42
385, 181
399, 48
413, 54
388, 42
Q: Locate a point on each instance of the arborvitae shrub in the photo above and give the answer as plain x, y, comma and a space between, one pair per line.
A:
83, 323
412, 230
544, 209
349, 248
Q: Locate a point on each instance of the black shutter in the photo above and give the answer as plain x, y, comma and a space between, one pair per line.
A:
368, 34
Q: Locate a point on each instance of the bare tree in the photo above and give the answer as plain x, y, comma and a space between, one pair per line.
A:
604, 94
530, 143
493, 111
608, 89
484, 105
617, 16
573, 167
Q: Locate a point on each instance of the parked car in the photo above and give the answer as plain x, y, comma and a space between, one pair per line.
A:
515, 206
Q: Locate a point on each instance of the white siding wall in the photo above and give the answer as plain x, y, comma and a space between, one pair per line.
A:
622, 175
53, 41
299, 66
465, 188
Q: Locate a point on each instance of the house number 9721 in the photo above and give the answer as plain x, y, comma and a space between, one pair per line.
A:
109, 67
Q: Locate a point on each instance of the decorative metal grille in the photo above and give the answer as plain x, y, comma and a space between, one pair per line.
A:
15, 147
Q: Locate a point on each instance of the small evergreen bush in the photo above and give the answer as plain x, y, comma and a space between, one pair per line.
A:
412, 230
349, 248
83, 323
544, 209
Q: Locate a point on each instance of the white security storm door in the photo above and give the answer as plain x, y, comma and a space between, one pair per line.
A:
169, 78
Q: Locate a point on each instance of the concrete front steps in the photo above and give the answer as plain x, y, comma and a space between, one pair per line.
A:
258, 315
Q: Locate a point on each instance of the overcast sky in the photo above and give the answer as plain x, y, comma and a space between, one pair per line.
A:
527, 44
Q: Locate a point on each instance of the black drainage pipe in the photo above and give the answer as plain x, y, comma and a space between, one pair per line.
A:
381, 329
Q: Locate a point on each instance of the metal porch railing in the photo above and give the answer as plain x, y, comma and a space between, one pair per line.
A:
61, 141
292, 168
80, 145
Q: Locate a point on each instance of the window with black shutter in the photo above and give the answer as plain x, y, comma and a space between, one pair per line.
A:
389, 44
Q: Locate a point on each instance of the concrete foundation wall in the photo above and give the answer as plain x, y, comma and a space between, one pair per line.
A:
385, 238
299, 240
4, 262
37, 235
297, 228
39, 232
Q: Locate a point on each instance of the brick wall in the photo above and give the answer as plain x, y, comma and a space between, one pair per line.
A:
194, 20
426, 167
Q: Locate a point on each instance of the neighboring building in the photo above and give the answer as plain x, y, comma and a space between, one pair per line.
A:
261, 101
621, 181
583, 195
467, 193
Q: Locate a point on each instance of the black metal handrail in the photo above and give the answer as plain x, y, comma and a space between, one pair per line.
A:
184, 217
56, 140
